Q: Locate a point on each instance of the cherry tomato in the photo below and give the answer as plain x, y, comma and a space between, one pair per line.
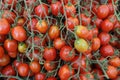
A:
67, 53
56, 7
21, 22
115, 61
9, 15
97, 22
22, 47
41, 10
10, 45
71, 22
19, 33
106, 50
8, 70
58, 43
23, 69
49, 65
2, 52
112, 72
90, 35
16, 63
65, 72
40, 76
95, 44
13, 54
4, 26
81, 45
81, 31
69, 10
42, 26
104, 38
4, 60
50, 53
106, 25
102, 11
54, 32
85, 21
35, 67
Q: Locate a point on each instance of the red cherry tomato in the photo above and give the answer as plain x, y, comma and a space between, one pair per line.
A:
23, 69
41, 10
50, 53
106, 50
4, 26
19, 33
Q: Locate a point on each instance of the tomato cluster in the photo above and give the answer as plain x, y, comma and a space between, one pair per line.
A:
59, 40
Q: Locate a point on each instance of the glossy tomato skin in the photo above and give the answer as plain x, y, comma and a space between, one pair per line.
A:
51, 78
22, 47
71, 22
41, 10
97, 22
56, 7
42, 26
13, 54
65, 72
68, 10
106, 50
16, 63
104, 38
81, 45
106, 25
10, 45
115, 61
85, 20
49, 65
23, 69
8, 70
54, 32
67, 53
40, 76
35, 67
2, 52
112, 72
4, 26
50, 53
102, 11
4, 60
81, 31
19, 33
9, 15
59, 43
95, 44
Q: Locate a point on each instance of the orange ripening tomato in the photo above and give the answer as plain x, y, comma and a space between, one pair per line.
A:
115, 61
95, 44
42, 26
